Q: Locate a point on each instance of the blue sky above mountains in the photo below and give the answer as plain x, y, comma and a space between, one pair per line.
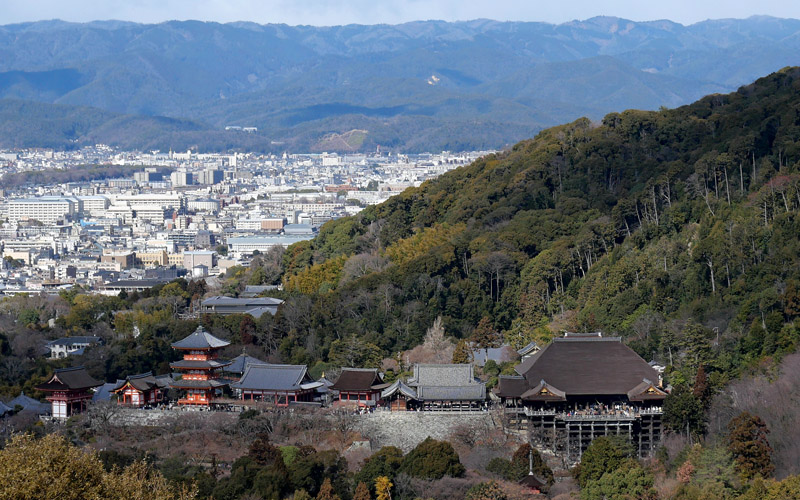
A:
337, 12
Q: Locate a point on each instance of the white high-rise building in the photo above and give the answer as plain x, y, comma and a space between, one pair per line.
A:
47, 210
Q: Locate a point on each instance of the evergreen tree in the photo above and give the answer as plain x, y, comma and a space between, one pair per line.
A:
628, 481
749, 446
683, 412
432, 459
605, 454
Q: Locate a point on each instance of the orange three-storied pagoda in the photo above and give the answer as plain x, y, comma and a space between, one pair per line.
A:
200, 369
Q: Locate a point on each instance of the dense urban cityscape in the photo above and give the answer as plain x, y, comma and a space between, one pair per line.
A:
181, 213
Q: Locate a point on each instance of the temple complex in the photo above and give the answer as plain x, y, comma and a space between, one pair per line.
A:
201, 371
582, 386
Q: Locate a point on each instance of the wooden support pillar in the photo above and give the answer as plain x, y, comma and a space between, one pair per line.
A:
640, 439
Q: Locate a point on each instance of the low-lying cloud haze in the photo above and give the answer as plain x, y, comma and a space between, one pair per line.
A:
337, 12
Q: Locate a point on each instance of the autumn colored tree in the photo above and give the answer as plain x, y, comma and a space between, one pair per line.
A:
51, 467
326, 491
247, 328
701, 389
385, 462
462, 353
749, 446
362, 492
383, 488
485, 335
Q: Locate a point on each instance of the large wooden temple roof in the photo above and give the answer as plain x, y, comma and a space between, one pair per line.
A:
359, 379
587, 365
70, 379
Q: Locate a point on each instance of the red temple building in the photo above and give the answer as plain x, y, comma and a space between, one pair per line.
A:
69, 390
201, 371
359, 385
140, 390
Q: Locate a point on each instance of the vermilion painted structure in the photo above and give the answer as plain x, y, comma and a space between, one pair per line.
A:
140, 390
200, 369
69, 390
359, 385
277, 384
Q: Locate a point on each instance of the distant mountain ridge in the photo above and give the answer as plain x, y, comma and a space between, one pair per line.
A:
420, 85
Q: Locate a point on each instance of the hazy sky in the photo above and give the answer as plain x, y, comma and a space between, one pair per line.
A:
335, 12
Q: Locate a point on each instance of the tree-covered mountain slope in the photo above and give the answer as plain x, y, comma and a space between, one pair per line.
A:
419, 86
677, 229
30, 124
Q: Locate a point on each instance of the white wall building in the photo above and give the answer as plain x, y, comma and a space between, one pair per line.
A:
47, 210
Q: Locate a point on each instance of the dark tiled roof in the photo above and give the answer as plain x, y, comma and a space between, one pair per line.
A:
135, 283
197, 384
531, 347
510, 386
471, 392
73, 379
357, 379
399, 387
532, 481
441, 382
29, 404
326, 385
646, 391
544, 392
241, 302
269, 377
143, 382
4, 409
587, 366
240, 362
103, 393
200, 339
198, 365
76, 340
442, 375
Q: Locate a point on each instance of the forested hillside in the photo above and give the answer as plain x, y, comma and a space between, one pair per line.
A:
418, 86
676, 229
